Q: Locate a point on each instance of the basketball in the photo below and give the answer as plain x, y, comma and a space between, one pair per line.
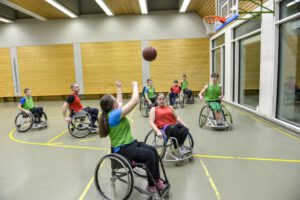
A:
149, 53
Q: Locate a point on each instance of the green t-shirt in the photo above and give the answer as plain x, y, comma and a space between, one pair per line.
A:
184, 85
151, 92
27, 103
119, 129
213, 92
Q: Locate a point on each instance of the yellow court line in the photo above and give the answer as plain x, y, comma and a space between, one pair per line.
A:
82, 196
246, 158
273, 126
86, 189
86, 140
213, 185
56, 137
52, 144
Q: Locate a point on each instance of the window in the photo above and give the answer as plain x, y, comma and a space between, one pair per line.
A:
288, 95
247, 27
249, 71
288, 8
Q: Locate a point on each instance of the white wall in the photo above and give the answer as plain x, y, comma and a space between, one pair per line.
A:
99, 28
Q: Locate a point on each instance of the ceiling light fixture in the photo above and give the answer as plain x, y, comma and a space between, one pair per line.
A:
184, 5
143, 6
104, 7
62, 8
292, 3
23, 10
2, 19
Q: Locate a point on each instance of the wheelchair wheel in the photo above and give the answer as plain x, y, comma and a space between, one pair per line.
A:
181, 101
158, 143
80, 125
227, 115
203, 116
144, 107
113, 177
24, 121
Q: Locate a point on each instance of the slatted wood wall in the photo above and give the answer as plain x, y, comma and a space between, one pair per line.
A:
178, 57
6, 78
104, 63
47, 70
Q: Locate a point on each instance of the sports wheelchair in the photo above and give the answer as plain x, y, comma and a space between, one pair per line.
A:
81, 124
186, 99
25, 121
114, 178
166, 149
144, 107
207, 117
179, 100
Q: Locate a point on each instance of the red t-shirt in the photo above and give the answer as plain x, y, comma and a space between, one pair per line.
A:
74, 102
176, 89
164, 116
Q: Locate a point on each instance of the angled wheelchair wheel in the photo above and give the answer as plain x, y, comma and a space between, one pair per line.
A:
144, 107
203, 116
80, 125
113, 177
181, 101
24, 121
227, 115
159, 143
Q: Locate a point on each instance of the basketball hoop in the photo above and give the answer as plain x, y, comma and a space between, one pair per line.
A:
211, 22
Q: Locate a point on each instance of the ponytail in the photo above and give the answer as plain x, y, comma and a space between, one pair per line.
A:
103, 125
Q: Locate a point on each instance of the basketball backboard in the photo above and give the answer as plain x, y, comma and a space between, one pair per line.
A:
228, 9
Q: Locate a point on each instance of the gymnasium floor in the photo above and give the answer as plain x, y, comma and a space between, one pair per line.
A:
254, 160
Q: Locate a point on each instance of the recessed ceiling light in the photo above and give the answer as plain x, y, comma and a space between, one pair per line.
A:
2, 19
62, 8
143, 6
104, 7
184, 5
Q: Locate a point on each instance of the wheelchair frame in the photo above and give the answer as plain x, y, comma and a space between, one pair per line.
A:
120, 162
207, 117
162, 145
42, 124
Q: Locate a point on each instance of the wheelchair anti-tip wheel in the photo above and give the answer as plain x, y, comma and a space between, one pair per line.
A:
114, 177
80, 125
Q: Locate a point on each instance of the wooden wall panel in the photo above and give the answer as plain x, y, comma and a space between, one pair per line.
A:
203, 7
178, 57
104, 63
47, 70
123, 7
6, 78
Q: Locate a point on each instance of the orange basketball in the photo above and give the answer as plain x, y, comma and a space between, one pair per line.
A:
149, 53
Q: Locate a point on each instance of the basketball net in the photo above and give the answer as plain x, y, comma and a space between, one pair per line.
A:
211, 22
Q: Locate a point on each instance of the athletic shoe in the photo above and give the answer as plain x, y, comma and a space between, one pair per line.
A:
183, 151
151, 189
160, 184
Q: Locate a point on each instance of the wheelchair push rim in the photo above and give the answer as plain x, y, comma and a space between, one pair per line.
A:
24, 121
203, 116
113, 177
80, 125
157, 142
